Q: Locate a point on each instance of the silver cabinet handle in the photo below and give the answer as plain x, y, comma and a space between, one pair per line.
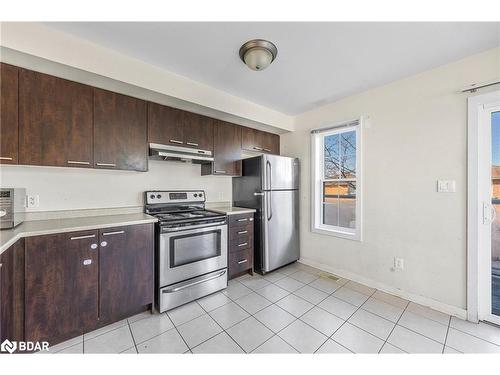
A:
112, 233
220, 171
242, 232
258, 194
176, 141
192, 144
5, 158
258, 148
239, 220
93, 246
104, 244
267, 150
82, 237
243, 261
242, 244
78, 162
105, 164
87, 262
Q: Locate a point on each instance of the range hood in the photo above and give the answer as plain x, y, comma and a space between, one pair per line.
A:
179, 153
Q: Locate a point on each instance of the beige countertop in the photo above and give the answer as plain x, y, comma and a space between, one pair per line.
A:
41, 227
231, 210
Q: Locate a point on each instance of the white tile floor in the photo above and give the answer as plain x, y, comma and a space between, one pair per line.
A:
293, 310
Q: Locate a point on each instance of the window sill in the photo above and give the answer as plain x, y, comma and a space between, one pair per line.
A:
336, 233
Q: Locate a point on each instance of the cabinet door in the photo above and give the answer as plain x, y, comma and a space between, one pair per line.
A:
227, 149
126, 271
198, 131
120, 132
271, 143
9, 114
165, 125
12, 293
55, 121
251, 139
61, 285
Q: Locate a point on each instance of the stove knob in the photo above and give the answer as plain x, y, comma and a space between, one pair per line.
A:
152, 196
158, 196
195, 195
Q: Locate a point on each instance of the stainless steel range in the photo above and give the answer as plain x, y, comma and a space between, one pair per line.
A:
191, 247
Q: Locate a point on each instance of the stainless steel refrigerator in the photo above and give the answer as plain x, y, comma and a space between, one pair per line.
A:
270, 184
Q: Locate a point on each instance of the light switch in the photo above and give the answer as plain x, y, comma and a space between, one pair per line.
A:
446, 186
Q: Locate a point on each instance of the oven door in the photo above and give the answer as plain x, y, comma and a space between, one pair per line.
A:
188, 253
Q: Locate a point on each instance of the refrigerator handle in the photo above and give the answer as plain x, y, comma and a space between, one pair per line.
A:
269, 205
269, 178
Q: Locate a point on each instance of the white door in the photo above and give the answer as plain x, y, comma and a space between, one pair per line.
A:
488, 204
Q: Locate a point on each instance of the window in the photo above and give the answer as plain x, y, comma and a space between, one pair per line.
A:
337, 180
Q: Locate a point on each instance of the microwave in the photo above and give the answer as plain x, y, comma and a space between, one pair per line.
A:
11, 207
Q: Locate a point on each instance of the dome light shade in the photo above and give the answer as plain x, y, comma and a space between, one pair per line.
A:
258, 54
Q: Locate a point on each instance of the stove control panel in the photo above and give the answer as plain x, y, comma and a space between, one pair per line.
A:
158, 197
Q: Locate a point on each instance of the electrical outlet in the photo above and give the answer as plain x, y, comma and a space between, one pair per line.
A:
446, 186
32, 201
399, 264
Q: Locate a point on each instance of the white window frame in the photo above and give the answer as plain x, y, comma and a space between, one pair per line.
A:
317, 168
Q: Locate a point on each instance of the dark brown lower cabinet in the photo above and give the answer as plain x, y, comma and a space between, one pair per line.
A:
12, 293
76, 282
241, 240
126, 269
61, 291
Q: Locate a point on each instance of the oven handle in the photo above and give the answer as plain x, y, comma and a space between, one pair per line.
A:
173, 290
208, 225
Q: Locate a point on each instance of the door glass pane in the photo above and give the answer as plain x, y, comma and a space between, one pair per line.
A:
190, 248
331, 203
331, 155
347, 205
495, 200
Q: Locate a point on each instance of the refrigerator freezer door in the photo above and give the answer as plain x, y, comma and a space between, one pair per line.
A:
280, 173
280, 224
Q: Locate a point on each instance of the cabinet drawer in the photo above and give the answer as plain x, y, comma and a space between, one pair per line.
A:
240, 220
240, 233
242, 244
240, 261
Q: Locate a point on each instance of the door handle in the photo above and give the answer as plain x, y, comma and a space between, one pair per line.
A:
242, 244
5, 158
78, 162
82, 237
104, 244
243, 261
112, 233
258, 148
175, 141
105, 164
258, 194
87, 262
192, 144
220, 171
242, 232
240, 220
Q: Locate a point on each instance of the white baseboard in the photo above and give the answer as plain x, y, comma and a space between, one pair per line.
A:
425, 301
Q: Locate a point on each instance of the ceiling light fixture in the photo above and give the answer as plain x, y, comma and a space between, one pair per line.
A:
258, 54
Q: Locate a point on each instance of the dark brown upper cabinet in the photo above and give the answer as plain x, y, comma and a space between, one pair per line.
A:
259, 141
165, 125
172, 126
61, 285
120, 132
9, 124
55, 121
198, 131
227, 151
126, 269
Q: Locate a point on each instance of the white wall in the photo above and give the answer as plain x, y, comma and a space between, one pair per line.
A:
417, 135
78, 188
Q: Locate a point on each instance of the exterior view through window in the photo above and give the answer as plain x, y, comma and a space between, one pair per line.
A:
336, 169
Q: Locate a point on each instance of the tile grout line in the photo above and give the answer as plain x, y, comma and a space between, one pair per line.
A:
175, 327
393, 328
223, 329
133, 338
446, 337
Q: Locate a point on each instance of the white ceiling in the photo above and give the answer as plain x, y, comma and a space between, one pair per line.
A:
317, 62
